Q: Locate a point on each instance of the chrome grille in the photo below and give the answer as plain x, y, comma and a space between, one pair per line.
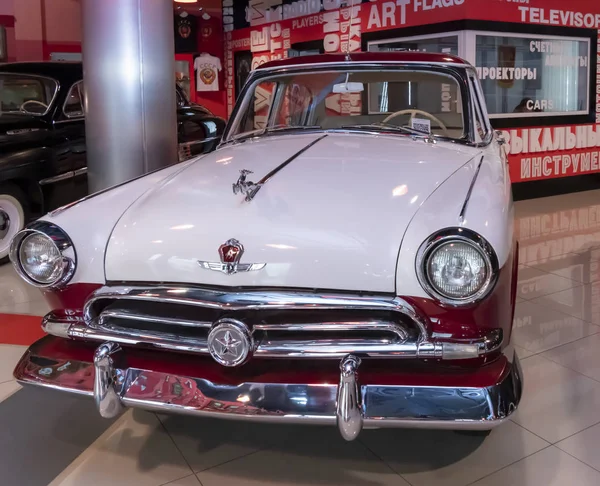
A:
283, 324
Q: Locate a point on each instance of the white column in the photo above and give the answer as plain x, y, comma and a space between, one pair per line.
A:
129, 78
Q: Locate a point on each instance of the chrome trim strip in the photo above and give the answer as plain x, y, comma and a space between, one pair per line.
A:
171, 342
344, 64
284, 348
128, 315
69, 120
463, 211
230, 269
259, 300
381, 406
61, 177
64, 176
365, 325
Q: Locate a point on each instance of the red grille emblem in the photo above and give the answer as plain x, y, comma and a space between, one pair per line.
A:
231, 251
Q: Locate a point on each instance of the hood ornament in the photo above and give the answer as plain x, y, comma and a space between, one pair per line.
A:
248, 188
230, 253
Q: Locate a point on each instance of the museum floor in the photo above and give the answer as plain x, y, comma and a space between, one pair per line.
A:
50, 438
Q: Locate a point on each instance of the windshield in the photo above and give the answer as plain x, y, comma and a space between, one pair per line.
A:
26, 94
399, 101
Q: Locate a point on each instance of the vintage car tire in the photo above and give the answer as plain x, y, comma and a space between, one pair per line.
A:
14, 202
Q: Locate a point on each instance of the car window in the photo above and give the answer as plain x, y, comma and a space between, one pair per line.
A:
26, 94
74, 104
425, 100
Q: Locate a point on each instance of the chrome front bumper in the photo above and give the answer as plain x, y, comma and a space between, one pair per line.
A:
351, 405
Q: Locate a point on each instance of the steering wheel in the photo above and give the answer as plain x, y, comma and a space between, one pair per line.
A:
414, 112
35, 102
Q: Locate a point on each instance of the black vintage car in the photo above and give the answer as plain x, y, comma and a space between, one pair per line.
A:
42, 140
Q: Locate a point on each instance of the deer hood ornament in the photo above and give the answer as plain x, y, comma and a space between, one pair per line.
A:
248, 188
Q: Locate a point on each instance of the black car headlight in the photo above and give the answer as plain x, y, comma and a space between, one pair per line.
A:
43, 255
457, 266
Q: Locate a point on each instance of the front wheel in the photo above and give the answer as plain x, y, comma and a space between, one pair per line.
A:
13, 214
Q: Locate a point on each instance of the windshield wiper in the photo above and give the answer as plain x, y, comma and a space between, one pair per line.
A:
286, 128
384, 127
274, 129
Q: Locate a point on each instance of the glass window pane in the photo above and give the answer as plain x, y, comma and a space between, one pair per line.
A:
74, 103
533, 74
343, 99
26, 93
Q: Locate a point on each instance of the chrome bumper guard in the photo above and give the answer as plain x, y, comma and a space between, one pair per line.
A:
349, 404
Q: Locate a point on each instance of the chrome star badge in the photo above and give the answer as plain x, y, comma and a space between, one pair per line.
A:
230, 253
230, 342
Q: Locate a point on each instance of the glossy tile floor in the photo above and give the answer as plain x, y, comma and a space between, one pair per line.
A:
49, 438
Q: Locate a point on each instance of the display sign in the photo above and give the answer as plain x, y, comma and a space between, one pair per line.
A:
550, 152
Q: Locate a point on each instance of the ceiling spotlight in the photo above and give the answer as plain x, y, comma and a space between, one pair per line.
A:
186, 1
205, 16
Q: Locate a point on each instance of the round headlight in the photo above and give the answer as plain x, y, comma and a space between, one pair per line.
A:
457, 268
43, 255
40, 259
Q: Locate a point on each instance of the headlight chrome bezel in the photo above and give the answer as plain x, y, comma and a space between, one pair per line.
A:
462, 235
59, 239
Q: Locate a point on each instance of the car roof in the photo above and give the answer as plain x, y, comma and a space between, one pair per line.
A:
368, 57
62, 71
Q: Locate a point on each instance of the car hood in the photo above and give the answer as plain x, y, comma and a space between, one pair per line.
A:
332, 218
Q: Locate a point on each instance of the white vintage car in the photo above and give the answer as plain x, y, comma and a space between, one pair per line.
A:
345, 257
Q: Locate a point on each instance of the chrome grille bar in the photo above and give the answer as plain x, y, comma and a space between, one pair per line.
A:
352, 326
107, 315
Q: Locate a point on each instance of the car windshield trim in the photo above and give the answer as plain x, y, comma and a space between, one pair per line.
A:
271, 130
54, 81
457, 73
